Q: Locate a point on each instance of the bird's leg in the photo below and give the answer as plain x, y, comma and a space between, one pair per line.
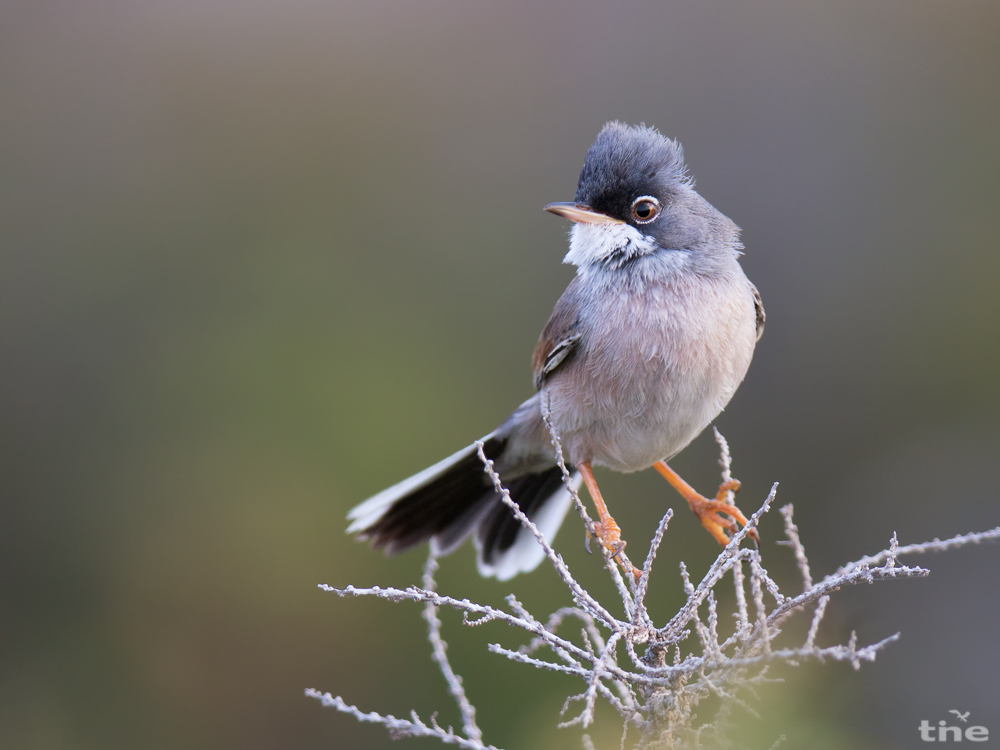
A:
606, 530
708, 511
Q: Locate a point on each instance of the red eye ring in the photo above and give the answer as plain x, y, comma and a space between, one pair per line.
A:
645, 209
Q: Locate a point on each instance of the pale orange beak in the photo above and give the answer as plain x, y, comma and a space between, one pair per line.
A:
580, 213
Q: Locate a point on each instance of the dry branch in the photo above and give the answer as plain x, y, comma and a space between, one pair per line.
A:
654, 698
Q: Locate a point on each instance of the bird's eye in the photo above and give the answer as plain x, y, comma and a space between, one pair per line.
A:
645, 209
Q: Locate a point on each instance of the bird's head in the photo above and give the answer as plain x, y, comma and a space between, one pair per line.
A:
634, 198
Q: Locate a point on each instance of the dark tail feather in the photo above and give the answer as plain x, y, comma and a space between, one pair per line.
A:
446, 502
500, 528
507, 548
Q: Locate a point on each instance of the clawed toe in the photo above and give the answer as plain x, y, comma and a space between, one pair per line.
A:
609, 535
730, 485
718, 517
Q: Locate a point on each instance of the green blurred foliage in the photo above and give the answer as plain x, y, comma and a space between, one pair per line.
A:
260, 260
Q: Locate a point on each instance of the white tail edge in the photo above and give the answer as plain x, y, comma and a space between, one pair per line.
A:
525, 554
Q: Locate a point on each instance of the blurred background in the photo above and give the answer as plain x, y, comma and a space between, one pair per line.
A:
260, 260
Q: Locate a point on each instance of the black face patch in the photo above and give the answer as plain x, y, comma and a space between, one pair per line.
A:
627, 162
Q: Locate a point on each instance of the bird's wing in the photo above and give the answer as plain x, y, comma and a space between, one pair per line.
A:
560, 338
758, 306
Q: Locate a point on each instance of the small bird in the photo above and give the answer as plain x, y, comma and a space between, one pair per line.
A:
644, 349
964, 718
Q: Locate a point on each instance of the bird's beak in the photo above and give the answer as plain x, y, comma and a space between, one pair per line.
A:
580, 213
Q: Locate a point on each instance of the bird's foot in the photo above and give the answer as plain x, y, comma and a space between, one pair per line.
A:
718, 516
609, 534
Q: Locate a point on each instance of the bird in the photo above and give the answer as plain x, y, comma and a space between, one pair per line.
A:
961, 717
643, 350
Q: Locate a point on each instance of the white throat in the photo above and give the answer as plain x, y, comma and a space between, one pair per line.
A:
594, 243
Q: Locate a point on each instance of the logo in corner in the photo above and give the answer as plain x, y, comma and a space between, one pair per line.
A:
944, 732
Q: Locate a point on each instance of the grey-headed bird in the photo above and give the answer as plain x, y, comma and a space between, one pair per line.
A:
643, 350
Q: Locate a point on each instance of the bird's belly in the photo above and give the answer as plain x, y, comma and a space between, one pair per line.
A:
641, 394
646, 420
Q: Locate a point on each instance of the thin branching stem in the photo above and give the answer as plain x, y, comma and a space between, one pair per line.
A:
654, 695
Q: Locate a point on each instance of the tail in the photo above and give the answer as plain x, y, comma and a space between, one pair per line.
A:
448, 501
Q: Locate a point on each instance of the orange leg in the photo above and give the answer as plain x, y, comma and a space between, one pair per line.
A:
708, 511
607, 531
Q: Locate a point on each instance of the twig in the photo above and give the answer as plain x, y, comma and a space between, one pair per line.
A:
935, 545
398, 727
792, 532
438, 652
655, 698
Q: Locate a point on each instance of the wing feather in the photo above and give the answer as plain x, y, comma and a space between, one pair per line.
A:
560, 338
758, 307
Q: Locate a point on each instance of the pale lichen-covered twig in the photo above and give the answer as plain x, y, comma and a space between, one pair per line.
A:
792, 532
438, 653
726, 462
412, 727
647, 567
935, 545
656, 698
